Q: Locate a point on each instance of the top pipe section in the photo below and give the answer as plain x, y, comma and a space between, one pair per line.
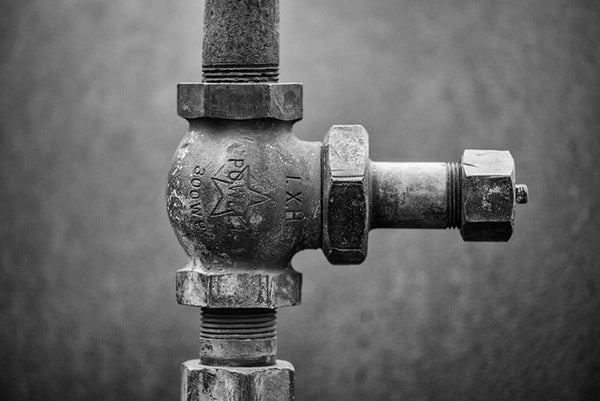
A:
241, 41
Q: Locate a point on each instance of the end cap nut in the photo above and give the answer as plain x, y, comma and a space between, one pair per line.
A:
488, 195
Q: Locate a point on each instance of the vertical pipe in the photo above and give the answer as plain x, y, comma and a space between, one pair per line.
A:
241, 45
241, 41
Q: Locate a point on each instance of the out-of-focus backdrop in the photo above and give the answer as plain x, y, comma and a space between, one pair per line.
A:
88, 259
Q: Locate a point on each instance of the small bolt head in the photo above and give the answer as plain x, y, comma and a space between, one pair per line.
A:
522, 194
488, 195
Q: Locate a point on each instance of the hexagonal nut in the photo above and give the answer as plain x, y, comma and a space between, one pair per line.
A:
488, 195
195, 286
240, 101
209, 383
346, 194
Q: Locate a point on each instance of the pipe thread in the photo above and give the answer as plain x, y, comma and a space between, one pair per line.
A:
238, 323
241, 73
454, 195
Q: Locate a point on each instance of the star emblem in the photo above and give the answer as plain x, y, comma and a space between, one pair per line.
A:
239, 191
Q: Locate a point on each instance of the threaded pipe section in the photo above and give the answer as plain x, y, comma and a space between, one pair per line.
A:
240, 73
454, 195
241, 41
238, 337
238, 323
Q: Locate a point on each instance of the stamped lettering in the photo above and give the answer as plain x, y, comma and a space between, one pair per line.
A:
293, 199
238, 192
196, 207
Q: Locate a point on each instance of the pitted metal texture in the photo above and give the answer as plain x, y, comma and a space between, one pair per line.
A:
241, 41
240, 101
488, 195
210, 383
248, 288
346, 194
243, 197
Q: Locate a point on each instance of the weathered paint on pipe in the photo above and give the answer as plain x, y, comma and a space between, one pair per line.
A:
409, 195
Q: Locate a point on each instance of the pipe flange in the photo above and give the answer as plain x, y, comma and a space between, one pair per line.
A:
240, 101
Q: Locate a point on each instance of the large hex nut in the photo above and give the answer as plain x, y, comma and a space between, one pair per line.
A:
240, 101
238, 289
209, 383
346, 192
488, 195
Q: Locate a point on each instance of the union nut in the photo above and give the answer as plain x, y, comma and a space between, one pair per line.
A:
346, 194
489, 195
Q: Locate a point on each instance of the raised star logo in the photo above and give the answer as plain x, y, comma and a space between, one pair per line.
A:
239, 191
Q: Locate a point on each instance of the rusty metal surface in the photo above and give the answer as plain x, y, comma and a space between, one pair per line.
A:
215, 383
243, 198
238, 337
478, 195
410, 195
240, 101
488, 195
241, 41
346, 194
249, 288
244, 195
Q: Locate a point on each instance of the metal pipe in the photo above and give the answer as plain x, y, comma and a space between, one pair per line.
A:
415, 195
241, 41
244, 195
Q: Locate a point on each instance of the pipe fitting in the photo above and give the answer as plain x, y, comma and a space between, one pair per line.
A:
346, 194
243, 197
265, 383
241, 41
197, 285
488, 195
238, 337
240, 101
478, 195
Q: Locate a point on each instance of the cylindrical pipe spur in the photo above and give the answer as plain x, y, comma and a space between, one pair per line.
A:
415, 195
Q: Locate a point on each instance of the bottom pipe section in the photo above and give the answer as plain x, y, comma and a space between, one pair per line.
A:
238, 337
415, 195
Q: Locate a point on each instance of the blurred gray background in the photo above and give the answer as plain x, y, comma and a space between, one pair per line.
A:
88, 259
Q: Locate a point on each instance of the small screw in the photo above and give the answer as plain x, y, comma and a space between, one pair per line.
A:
522, 194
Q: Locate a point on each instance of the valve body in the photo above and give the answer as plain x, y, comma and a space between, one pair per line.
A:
244, 195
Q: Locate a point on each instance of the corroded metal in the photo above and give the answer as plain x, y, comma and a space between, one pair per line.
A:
238, 337
488, 195
241, 41
413, 195
197, 285
346, 194
244, 195
239, 101
214, 383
